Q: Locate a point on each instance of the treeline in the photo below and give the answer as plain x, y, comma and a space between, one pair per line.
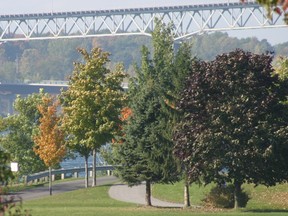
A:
34, 61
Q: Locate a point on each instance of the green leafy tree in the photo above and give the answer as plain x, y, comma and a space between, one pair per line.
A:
5, 176
146, 153
281, 67
182, 65
17, 131
5, 172
235, 123
49, 141
93, 102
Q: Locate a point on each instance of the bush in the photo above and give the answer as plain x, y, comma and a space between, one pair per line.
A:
223, 197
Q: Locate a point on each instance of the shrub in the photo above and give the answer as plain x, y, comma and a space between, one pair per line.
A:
223, 197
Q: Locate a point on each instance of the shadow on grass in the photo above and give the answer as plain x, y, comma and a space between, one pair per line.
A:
165, 207
267, 210
110, 185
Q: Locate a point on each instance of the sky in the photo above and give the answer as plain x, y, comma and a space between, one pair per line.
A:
273, 36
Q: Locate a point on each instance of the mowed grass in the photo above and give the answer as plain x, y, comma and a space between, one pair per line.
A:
262, 198
96, 201
175, 192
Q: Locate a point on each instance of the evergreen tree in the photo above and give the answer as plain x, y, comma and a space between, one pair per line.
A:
146, 153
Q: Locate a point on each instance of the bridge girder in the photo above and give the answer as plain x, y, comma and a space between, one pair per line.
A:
187, 21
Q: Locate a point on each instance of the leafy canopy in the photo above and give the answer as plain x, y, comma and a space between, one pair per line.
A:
49, 142
235, 123
93, 101
17, 133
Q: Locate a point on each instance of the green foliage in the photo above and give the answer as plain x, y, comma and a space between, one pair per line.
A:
281, 67
7, 203
17, 131
92, 104
125, 49
146, 153
235, 120
223, 197
5, 172
93, 101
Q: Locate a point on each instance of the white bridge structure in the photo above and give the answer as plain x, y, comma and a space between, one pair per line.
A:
187, 21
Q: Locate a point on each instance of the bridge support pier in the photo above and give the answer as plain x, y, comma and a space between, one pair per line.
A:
76, 174
109, 172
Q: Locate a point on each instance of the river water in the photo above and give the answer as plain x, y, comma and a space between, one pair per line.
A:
80, 162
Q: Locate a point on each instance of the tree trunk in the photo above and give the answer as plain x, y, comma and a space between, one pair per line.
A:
148, 193
237, 192
50, 180
86, 173
186, 193
94, 168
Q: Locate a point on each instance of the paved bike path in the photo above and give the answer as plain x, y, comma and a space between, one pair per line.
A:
136, 194
60, 187
119, 192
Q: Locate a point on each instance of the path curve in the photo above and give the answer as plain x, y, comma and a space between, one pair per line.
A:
120, 192
136, 194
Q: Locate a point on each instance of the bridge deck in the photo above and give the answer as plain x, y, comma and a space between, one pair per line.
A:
127, 11
187, 20
25, 89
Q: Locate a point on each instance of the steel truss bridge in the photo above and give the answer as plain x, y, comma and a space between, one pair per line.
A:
187, 20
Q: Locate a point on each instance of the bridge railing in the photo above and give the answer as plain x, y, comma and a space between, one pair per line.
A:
73, 171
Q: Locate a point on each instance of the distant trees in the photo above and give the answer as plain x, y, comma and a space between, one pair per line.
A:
281, 49
53, 59
93, 102
235, 122
219, 42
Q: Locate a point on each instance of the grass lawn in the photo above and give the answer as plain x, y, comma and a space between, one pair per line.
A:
95, 201
262, 199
